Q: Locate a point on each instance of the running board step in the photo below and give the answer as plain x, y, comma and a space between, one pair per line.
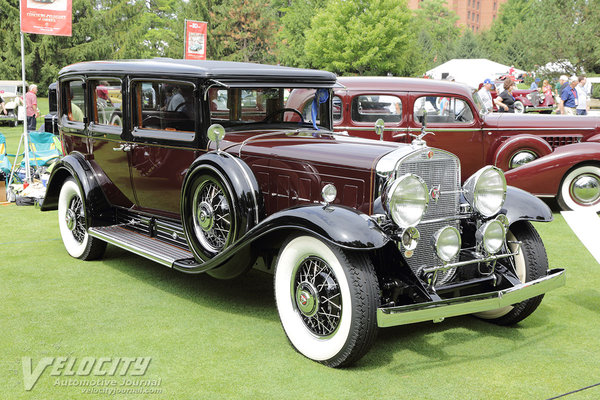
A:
143, 245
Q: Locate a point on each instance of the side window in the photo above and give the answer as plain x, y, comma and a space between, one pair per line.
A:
107, 102
369, 108
442, 109
338, 109
164, 106
75, 101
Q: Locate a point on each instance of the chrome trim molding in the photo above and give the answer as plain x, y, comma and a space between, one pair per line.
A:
473, 261
438, 310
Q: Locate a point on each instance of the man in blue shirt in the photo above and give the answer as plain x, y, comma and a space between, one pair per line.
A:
534, 84
569, 98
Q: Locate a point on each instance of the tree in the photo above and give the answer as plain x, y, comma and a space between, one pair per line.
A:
437, 33
366, 37
295, 23
244, 30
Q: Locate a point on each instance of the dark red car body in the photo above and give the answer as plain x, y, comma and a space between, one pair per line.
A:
483, 138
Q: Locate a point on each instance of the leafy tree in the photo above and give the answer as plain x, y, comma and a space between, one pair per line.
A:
367, 37
244, 30
295, 22
437, 33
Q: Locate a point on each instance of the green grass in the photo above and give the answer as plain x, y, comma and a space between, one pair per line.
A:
222, 339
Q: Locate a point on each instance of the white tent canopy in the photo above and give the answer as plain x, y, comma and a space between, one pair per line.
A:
471, 71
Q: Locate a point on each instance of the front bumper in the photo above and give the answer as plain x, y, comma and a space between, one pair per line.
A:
438, 310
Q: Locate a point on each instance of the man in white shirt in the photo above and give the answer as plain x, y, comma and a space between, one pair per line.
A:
582, 104
485, 95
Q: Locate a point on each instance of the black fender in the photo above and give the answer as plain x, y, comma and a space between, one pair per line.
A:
340, 225
523, 206
97, 207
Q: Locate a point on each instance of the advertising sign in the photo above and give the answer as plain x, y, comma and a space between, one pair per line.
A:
46, 17
195, 40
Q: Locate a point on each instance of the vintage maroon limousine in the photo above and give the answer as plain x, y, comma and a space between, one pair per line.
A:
193, 165
461, 125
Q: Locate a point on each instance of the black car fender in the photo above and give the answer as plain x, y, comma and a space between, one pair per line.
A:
523, 206
75, 165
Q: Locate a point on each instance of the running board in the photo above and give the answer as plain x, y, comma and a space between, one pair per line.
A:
143, 245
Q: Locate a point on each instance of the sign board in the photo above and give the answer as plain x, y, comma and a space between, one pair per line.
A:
46, 17
195, 40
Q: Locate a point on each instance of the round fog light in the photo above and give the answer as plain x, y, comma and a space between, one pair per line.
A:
329, 193
410, 238
447, 243
492, 235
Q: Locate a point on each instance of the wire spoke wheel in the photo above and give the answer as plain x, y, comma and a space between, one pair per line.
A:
211, 214
318, 297
76, 219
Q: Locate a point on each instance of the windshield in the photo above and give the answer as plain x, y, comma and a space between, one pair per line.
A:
286, 107
481, 108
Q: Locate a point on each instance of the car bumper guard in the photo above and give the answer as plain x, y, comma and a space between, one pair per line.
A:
438, 310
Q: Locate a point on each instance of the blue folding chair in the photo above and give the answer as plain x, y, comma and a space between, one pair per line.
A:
5, 165
44, 149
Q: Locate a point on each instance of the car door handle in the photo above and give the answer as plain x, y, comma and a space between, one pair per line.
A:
122, 147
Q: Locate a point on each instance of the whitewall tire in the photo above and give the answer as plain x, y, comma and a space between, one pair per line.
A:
327, 300
580, 189
73, 226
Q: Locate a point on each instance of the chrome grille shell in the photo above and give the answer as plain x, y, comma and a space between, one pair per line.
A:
441, 171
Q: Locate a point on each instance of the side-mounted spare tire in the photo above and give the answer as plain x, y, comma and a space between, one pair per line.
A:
220, 202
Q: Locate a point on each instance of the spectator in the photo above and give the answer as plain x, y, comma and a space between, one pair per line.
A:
547, 90
2, 109
568, 97
505, 101
534, 85
31, 107
582, 103
563, 82
485, 95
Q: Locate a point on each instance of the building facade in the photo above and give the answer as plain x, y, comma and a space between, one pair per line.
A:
477, 15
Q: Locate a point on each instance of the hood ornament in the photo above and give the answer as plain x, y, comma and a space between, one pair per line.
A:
418, 140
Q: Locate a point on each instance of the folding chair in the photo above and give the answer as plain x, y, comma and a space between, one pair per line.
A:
44, 149
5, 165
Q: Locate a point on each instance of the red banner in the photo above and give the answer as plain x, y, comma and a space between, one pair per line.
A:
46, 17
195, 40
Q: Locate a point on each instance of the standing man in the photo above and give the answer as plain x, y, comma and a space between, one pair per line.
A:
31, 107
569, 97
562, 84
582, 103
485, 95
2, 109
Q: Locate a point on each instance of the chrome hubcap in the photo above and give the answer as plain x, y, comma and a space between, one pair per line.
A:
585, 189
317, 296
205, 216
306, 299
70, 220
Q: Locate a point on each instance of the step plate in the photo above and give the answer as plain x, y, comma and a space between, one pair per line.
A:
145, 246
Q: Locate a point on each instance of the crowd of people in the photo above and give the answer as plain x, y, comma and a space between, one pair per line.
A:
572, 94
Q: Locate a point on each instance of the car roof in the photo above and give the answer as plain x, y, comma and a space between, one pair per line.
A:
11, 83
228, 71
389, 84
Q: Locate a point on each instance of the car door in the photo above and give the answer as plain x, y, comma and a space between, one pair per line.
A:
356, 112
454, 124
164, 120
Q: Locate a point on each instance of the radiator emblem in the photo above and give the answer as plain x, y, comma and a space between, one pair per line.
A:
435, 193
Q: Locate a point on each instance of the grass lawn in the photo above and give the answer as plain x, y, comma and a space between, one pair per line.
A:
222, 339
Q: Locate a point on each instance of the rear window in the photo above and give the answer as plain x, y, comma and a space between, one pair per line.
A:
370, 108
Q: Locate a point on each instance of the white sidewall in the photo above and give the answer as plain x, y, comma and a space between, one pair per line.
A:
67, 192
313, 347
564, 188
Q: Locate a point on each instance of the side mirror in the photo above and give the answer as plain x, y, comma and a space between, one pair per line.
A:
216, 133
379, 125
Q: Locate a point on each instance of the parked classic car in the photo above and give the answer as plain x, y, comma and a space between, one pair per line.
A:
12, 94
565, 148
526, 100
205, 175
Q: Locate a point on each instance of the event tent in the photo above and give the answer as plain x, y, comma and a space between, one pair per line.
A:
470, 71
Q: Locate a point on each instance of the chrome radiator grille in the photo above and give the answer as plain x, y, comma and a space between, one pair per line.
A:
439, 170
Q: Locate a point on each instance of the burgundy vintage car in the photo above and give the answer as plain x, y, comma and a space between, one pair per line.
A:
197, 167
526, 100
556, 156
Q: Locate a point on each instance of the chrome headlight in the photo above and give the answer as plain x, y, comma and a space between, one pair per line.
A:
491, 235
447, 243
485, 190
406, 200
